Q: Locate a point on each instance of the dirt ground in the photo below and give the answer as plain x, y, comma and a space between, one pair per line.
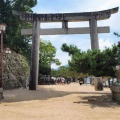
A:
59, 102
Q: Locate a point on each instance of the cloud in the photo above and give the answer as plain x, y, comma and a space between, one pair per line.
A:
105, 43
96, 5
63, 58
109, 4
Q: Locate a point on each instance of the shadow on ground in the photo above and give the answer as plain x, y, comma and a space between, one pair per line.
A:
19, 95
94, 98
98, 101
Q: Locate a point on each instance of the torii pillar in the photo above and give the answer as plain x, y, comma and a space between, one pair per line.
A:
94, 34
34, 56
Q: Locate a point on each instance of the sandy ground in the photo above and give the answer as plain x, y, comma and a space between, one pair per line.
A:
59, 102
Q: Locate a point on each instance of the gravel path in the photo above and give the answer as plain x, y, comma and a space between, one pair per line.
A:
59, 102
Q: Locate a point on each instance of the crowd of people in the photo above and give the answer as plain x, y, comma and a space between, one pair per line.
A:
47, 80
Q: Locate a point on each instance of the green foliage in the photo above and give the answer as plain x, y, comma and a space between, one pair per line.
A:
47, 57
12, 37
118, 35
65, 71
62, 71
70, 49
92, 62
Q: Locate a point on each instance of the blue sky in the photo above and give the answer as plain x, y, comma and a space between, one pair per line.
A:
82, 41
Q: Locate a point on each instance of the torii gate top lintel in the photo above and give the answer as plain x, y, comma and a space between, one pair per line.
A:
83, 16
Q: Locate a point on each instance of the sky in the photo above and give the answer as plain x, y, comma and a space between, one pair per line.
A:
82, 41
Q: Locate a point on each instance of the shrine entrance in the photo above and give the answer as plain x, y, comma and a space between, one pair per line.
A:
93, 30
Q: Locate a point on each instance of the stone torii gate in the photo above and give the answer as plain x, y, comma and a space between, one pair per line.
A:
93, 30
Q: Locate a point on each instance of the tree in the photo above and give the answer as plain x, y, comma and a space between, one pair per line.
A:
70, 49
66, 72
93, 62
47, 57
13, 38
62, 71
118, 35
